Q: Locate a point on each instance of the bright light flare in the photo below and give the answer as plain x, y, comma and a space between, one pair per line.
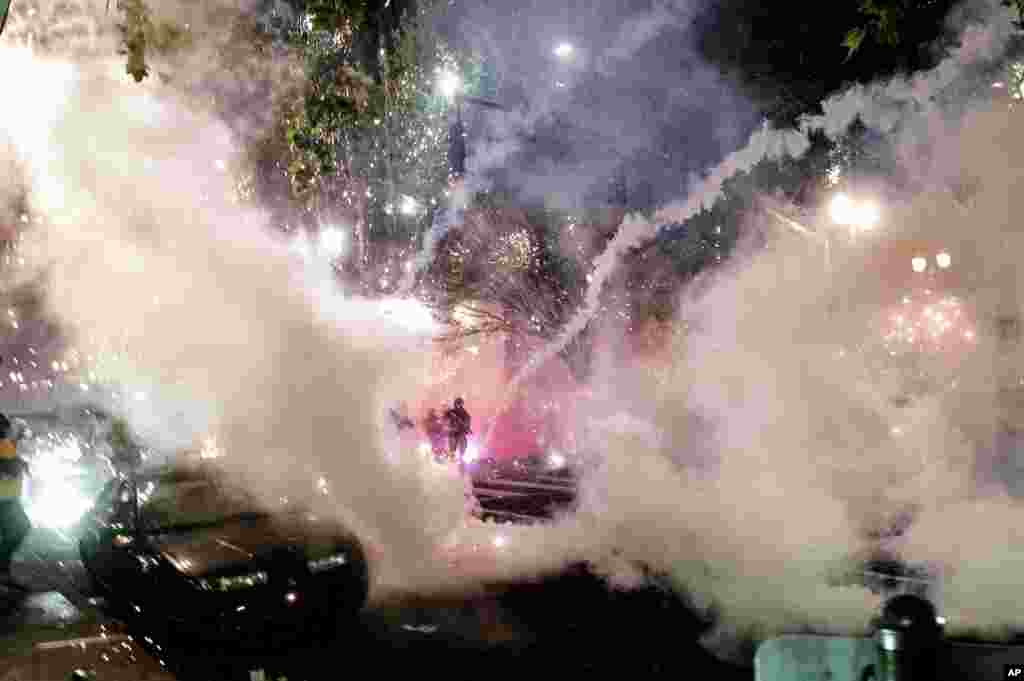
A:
556, 460
472, 454
425, 449
210, 449
333, 241
564, 50
919, 264
410, 314
54, 499
856, 214
943, 260
449, 83
409, 206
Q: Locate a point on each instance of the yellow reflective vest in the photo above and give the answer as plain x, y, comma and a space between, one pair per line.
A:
12, 470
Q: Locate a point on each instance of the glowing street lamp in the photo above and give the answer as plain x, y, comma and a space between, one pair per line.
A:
857, 214
919, 264
564, 50
332, 241
410, 206
449, 83
943, 260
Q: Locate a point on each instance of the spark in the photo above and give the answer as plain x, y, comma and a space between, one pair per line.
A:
333, 241
410, 206
449, 83
834, 174
856, 214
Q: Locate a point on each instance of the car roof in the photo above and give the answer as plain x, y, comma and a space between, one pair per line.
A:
178, 473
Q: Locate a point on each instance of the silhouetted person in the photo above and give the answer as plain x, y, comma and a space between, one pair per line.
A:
459, 428
400, 419
14, 524
434, 428
126, 454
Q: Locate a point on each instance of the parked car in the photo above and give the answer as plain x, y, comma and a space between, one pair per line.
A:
196, 548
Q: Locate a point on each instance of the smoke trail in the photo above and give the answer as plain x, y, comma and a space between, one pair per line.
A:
912, 100
812, 454
883, 107
225, 328
764, 143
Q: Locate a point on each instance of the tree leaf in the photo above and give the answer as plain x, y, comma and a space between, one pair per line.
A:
854, 39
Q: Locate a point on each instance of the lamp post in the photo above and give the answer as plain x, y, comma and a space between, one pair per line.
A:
450, 86
5, 9
857, 216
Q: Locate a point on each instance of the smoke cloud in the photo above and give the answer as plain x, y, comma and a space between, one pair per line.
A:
222, 328
209, 323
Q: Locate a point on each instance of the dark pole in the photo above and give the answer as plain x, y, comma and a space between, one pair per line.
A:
5, 9
457, 144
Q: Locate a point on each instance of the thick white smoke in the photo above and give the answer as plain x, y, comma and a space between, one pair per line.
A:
813, 453
144, 250
215, 325
766, 143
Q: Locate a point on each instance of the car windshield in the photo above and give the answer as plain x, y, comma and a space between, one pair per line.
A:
184, 501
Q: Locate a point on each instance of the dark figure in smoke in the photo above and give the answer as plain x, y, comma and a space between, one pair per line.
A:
14, 524
459, 422
126, 453
400, 418
458, 430
434, 428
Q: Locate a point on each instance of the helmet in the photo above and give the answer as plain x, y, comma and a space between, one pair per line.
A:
458, 402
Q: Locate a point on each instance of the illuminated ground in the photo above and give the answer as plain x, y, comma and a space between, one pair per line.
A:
565, 625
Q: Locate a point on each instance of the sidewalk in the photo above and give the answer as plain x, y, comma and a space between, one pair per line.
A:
46, 638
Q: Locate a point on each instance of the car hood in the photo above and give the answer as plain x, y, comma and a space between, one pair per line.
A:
238, 543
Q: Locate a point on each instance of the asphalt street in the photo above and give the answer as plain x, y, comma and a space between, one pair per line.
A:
563, 626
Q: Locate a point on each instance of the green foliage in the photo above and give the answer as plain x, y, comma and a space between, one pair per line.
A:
1019, 6
853, 40
884, 22
390, 132
337, 15
139, 34
121, 438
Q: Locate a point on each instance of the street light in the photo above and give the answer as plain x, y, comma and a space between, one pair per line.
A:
855, 214
332, 241
564, 50
919, 264
410, 206
449, 83
943, 260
